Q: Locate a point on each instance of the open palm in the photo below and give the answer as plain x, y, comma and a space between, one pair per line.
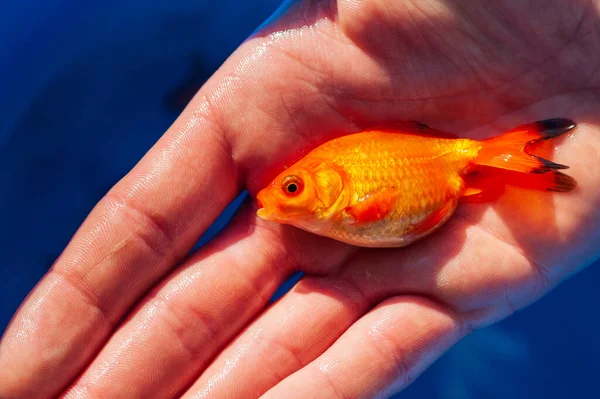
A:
125, 312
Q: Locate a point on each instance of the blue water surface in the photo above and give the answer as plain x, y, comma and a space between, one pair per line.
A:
86, 88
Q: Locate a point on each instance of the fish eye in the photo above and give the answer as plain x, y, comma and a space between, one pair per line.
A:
292, 185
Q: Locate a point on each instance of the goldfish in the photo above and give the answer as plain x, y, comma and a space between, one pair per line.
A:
390, 188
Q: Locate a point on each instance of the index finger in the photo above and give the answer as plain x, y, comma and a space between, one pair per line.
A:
143, 226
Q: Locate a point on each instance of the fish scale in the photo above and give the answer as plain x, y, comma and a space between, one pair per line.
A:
423, 177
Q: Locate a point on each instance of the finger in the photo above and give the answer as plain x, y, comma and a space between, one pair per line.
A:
187, 320
134, 235
380, 354
289, 335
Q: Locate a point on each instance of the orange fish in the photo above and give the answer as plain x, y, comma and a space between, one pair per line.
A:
389, 189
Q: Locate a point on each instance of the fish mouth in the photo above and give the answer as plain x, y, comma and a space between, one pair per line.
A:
263, 214
262, 211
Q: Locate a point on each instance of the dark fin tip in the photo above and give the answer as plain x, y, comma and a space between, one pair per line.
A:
539, 171
554, 127
547, 165
563, 183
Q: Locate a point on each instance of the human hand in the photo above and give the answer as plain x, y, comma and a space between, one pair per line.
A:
362, 323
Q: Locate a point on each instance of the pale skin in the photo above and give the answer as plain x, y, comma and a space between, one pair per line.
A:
125, 313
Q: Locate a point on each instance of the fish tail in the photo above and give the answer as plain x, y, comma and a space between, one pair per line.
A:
512, 152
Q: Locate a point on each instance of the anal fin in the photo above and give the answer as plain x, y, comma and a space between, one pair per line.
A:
434, 219
483, 185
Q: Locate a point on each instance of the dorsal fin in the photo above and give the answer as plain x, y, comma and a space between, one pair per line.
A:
411, 127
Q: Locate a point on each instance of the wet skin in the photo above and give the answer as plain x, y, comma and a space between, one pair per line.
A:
124, 312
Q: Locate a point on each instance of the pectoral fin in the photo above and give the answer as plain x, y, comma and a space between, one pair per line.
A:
374, 207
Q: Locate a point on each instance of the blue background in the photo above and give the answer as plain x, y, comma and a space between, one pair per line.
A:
86, 89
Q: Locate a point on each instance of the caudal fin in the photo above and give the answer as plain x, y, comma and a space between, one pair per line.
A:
512, 151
